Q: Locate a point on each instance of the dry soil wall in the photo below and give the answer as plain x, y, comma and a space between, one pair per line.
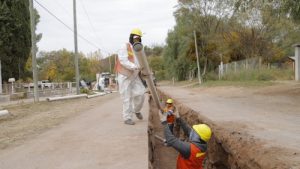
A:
227, 149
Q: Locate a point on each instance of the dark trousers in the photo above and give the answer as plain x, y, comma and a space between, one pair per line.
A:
171, 127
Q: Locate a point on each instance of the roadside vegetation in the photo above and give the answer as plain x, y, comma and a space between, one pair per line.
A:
246, 78
226, 31
254, 75
260, 77
230, 31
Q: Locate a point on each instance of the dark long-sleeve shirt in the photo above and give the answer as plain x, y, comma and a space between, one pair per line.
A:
184, 148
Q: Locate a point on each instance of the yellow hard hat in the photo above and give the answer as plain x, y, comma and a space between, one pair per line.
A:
203, 131
170, 101
136, 31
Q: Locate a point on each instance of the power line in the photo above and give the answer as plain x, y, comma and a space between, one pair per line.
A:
47, 10
89, 19
93, 28
65, 9
91, 32
90, 22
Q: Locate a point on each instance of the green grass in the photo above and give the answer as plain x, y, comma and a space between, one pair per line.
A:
246, 78
238, 83
260, 75
177, 83
85, 91
216, 83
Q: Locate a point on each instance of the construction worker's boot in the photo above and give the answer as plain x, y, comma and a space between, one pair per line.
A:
139, 116
129, 122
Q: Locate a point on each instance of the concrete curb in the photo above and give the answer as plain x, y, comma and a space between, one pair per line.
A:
4, 112
95, 95
65, 97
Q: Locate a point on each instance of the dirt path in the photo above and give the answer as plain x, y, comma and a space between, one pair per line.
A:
270, 116
94, 138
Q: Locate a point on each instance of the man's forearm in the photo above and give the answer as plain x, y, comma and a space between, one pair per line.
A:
127, 64
182, 147
185, 127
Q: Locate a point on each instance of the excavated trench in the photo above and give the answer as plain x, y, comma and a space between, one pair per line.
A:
227, 149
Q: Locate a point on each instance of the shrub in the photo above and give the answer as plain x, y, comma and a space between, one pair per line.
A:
83, 90
211, 76
265, 77
255, 75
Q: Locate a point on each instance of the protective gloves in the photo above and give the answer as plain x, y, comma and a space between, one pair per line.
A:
162, 116
142, 74
170, 112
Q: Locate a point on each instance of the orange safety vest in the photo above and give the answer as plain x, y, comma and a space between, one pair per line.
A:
194, 161
170, 118
119, 68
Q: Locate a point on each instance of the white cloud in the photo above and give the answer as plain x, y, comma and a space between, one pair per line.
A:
112, 21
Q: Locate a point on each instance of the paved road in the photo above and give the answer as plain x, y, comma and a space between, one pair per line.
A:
96, 138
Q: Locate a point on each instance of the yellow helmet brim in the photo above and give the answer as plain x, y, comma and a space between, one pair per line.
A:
137, 31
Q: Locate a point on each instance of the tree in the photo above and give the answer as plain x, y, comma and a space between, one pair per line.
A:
156, 64
233, 29
207, 19
58, 66
155, 50
272, 29
108, 64
292, 8
15, 37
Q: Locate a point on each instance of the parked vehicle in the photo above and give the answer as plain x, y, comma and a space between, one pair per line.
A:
28, 85
103, 80
46, 83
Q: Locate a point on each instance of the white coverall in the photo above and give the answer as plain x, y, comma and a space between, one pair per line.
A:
131, 88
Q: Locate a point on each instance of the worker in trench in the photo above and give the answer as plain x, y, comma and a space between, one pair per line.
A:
131, 87
192, 152
169, 111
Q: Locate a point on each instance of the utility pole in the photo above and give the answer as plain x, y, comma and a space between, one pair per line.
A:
115, 71
297, 62
221, 67
0, 78
33, 52
109, 63
76, 48
198, 64
19, 66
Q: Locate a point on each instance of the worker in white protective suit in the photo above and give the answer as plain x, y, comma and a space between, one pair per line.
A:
131, 87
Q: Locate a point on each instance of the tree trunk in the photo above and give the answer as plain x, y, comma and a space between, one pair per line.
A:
205, 66
0, 78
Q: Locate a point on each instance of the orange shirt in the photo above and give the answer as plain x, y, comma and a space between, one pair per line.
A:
195, 161
170, 118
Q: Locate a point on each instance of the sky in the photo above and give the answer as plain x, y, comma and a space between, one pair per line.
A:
104, 23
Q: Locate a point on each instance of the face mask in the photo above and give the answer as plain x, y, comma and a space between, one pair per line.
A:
134, 38
192, 135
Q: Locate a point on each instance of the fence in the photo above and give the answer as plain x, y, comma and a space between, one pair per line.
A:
249, 64
25, 90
